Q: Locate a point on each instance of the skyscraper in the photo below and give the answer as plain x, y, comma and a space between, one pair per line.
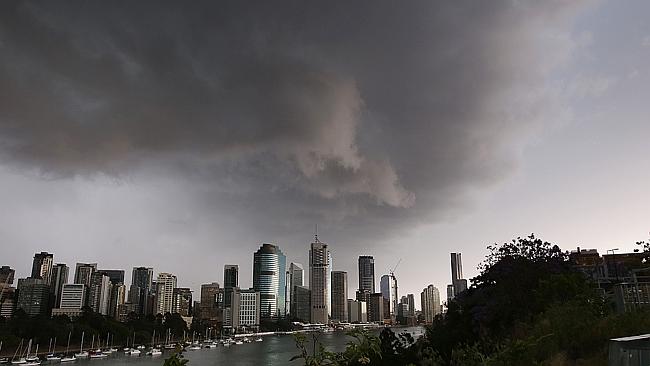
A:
295, 278
319, 281
208, 309
141, 287
42, 266
83, 272
33, 296
457, 280
339, 296
388, 288
182, 303
230, 275
297, 274
100, 293
367, 273
375, 308
230, 282
410, 300
59, 278
456, 266
269, 267
165, 285
430, 301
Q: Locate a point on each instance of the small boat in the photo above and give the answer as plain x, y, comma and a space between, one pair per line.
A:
68, 359
141, 347
154, 352
239, 342
53, 358
96, 355
20, 361
195, 347
33, 363
134, 352
259, 339
82, 354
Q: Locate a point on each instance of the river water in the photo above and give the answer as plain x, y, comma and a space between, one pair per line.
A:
274, 350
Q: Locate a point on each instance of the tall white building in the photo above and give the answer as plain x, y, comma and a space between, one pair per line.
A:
73, 296
166, 283
388, 286
249, 308
329, 282
430, 301
319, 258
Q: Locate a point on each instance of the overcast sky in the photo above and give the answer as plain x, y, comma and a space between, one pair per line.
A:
182, 136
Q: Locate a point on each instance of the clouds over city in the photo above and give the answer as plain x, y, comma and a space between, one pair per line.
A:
373, 116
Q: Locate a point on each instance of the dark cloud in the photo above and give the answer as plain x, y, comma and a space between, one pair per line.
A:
369, 113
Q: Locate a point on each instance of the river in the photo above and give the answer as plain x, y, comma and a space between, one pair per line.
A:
274, 350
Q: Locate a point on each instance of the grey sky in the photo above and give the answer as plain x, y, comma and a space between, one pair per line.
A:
183, 138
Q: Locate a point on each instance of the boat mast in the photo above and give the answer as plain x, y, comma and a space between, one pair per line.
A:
67, 348
81, 347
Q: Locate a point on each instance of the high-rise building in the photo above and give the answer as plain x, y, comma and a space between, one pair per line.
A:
33, 296
450, 293
83, 272
367, 273
319, 281
230, 282
6, 275
118, 298
375, 307
410, 300
388, 288
208, 309
339, 296
100, 293
42, 266
302, 304
59, 278
182, 303
457, 280
295, 278
165, 285
230, 275
329, 283
73, 299
248, 316
456, 266
269, 267
357, 312
430, 301
141, 288
297, 274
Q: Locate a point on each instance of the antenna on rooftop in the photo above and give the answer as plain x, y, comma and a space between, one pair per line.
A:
316, 234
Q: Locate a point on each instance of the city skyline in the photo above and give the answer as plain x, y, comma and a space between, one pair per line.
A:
428, 128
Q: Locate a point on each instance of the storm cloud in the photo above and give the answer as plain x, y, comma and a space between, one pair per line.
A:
371, 115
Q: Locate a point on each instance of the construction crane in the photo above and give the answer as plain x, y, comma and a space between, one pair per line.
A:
392, 271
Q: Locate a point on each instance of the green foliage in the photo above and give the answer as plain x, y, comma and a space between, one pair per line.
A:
176, 358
